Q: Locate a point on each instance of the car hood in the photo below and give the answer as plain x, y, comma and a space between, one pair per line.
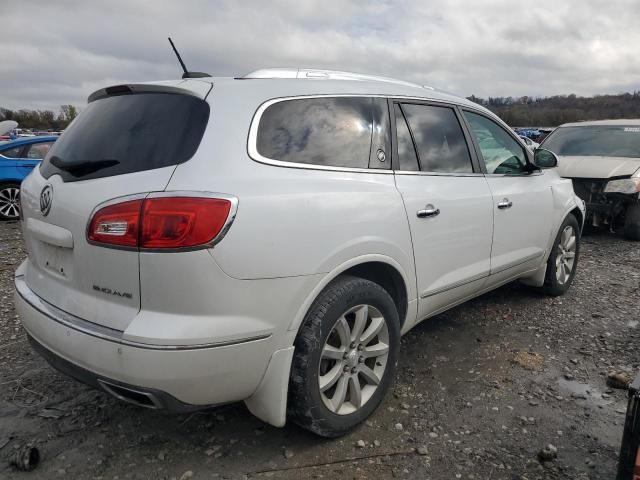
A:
596, 167
7, 125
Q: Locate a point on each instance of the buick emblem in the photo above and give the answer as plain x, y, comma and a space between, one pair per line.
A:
46, 198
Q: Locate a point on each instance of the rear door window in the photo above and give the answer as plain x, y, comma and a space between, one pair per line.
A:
128, 133
326, 131
438, 138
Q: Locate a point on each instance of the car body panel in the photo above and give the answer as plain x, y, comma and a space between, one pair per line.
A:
521, 231
597, 167
453, 248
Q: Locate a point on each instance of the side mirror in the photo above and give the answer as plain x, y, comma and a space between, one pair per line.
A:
544, 158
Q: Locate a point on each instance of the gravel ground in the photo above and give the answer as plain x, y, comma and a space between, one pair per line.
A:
479, 391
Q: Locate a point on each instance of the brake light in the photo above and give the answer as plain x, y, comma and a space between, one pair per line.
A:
160, 222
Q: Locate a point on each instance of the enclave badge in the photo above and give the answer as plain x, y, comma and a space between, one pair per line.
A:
46, 198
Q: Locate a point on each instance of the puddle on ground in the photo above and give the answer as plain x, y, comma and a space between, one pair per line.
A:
584, 392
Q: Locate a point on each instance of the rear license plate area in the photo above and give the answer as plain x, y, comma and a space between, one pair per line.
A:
55, 260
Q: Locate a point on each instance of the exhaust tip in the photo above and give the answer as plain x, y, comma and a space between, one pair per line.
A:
136, 397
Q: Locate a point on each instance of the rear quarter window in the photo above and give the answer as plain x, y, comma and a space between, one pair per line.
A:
128, 133
325, 131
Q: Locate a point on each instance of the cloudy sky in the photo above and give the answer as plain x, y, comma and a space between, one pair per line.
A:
58, 51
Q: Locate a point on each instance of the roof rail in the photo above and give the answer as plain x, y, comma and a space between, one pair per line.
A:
310, 73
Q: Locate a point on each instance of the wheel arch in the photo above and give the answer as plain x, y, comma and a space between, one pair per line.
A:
380, 269
576, 212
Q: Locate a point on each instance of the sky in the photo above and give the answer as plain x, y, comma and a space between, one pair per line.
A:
57, 52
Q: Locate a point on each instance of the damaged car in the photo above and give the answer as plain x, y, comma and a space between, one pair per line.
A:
602, 158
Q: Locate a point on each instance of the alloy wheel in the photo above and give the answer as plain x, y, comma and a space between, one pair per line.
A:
566, 255
10, 202
353, 359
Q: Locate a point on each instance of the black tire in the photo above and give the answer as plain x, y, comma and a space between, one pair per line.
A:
305, 405
552, 286
632, 222
9, 210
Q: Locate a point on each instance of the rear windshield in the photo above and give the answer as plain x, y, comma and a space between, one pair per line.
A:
604, 141
128, 133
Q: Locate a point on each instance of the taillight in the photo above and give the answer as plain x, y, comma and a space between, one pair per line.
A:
160, 222
182, 222
117, 224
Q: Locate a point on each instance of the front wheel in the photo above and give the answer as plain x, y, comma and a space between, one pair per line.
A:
563, 259
345, 357
9, 201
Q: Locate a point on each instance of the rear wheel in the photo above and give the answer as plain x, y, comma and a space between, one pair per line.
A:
563, 259
345, 357
632, 222
9, 201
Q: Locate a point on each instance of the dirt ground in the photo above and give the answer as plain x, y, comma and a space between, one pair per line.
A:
479, 391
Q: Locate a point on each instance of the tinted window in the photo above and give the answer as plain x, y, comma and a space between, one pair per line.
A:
12, 152
319, 131
128, 133
406, 152
502, 154
438, 138
37, 151
604, 141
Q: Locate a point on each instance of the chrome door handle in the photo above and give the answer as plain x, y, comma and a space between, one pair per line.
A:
505, 203
429, 211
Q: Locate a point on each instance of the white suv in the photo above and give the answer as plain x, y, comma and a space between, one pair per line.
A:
269, 238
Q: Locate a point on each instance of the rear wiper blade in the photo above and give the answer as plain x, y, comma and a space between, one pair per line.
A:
78, 169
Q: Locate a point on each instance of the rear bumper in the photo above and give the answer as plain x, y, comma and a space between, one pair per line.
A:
176, 378
144, 397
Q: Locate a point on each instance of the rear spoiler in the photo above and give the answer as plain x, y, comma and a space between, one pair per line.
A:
133, 88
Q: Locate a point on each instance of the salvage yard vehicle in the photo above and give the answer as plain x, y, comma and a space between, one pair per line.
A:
268, 238
531, 145
602, 158
17, 159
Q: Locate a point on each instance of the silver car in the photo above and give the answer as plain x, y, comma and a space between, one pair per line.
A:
602, 158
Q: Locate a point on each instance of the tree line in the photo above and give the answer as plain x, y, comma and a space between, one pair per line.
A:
559, 109
515, 111
41, 119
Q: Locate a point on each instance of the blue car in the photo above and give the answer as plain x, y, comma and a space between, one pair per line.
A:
17, 159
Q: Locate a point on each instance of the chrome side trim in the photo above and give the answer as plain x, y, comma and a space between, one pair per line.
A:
431, 293
529, 174
438, 174
252, 145
105, 333
517, 263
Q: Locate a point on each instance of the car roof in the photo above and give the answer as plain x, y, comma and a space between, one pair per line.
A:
27, 140
288, 82
275, 81
617, 122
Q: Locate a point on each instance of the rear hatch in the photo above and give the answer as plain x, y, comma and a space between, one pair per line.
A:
126, 143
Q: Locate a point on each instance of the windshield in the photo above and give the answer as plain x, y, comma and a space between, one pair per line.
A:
128, 133
597, 140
